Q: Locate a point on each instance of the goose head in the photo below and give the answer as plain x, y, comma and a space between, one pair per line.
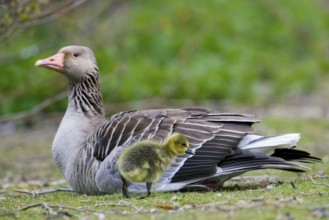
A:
178, 144
75, 62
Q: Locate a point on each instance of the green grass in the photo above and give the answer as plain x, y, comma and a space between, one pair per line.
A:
27, 165
254, 202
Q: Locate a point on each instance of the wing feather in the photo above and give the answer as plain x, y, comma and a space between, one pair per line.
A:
211, 134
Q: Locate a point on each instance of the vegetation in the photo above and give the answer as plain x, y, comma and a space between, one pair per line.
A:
250, 52
306, 201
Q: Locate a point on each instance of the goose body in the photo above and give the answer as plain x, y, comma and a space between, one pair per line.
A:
145, 161
87, 145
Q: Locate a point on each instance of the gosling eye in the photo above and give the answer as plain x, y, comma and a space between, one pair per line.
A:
76, 54
183, 144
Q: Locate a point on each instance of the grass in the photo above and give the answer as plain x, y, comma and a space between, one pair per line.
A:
253, 201
27, 165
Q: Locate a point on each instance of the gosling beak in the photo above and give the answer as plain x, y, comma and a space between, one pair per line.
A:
190, 151
55, 62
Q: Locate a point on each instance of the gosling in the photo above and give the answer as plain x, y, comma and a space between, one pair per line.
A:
145, 161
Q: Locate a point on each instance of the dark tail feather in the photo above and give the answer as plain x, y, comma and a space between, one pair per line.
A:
247, 161
295, 155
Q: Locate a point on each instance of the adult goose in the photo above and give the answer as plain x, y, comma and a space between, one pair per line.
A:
87, 144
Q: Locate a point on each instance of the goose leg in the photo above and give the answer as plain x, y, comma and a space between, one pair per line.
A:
148, 187
125, 191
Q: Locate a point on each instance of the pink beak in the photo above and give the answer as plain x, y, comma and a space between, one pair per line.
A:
55, 62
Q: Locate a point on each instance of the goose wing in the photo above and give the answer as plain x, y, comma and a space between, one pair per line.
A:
212, 135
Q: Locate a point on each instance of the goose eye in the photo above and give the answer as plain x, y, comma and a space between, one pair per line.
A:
76, 54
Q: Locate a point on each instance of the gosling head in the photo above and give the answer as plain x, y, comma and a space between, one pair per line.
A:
75, 62
178, 144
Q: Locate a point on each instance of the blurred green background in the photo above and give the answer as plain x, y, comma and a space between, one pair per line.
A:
248, 52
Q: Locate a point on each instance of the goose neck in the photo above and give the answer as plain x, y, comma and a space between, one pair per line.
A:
85, 97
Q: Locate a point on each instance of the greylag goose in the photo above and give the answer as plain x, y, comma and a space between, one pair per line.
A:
87, 145
146, 160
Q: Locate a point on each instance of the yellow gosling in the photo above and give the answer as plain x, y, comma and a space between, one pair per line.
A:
145, 161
